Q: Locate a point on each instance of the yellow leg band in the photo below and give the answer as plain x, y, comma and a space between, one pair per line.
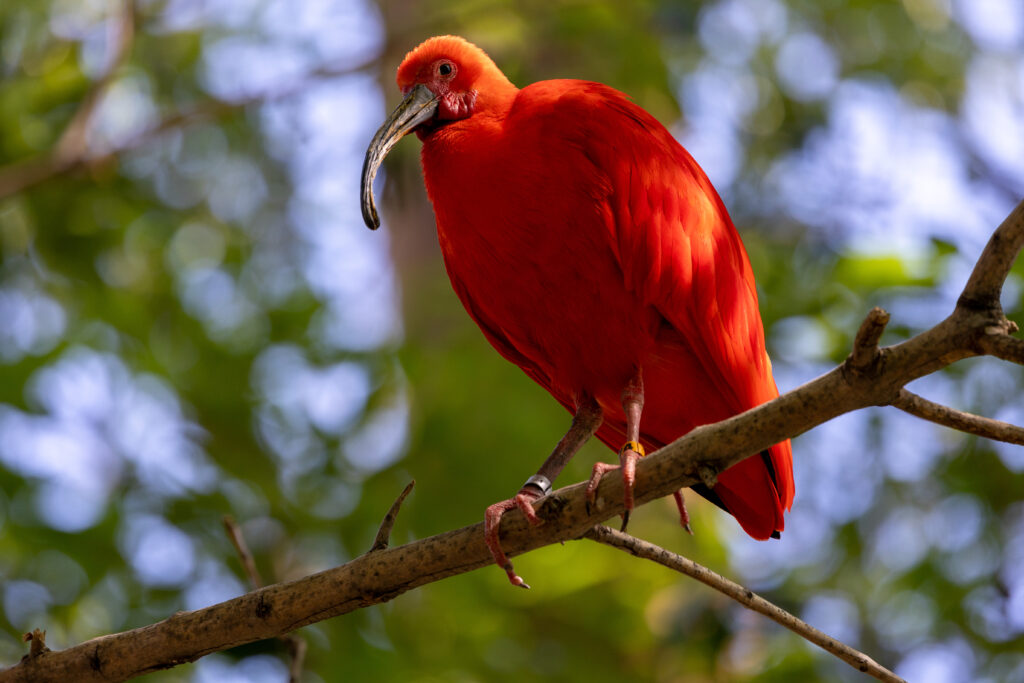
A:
633, 446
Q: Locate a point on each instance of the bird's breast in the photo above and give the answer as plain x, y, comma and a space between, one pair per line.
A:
525, 244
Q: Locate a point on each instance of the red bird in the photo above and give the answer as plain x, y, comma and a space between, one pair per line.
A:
593, 253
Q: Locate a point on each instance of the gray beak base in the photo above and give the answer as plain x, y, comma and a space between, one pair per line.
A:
419, 106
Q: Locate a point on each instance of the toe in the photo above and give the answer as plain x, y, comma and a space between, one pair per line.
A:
524, 502
600, 468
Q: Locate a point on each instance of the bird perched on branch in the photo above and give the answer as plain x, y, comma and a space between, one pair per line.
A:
593, 253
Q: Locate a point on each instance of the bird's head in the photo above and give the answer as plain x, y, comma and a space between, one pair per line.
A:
458, 73
444, 80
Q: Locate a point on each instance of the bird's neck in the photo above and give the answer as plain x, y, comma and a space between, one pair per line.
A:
495, 97
489, 104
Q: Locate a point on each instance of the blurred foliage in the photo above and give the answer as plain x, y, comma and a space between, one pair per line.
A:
200, 325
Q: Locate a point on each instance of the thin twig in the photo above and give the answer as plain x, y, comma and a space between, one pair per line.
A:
244, 555
70, 150
919, 406
72, 144
384, 532
986, 281
865, 344
297, 650
635, 546
296, 645
36, 640
26, 174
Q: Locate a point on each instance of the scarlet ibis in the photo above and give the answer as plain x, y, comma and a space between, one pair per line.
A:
593, 253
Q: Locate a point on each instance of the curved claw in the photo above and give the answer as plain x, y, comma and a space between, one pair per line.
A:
514, 578
492, 524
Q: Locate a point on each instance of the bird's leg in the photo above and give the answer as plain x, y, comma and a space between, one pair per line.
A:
684, 516
631, 451
585, 422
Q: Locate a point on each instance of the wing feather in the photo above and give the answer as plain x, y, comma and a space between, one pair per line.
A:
680, 253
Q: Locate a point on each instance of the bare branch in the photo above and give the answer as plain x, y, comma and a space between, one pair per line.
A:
640, 548
384, 532
244, 555
297, 651
1004, 346
23, 175
918, 406
865, 344
36, 640
986, 281
72, 143
384, 574
71, 149
296, 646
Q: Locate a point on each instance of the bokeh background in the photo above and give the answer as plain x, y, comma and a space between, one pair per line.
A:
194, 322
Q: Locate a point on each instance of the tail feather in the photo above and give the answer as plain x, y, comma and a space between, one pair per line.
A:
758, 491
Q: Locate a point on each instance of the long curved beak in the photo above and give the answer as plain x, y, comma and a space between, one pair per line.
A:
419, 106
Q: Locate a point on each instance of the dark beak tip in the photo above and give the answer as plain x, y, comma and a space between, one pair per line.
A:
371, 218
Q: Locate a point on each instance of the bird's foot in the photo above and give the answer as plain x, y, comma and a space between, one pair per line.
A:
684, 516
492, 522
629, 454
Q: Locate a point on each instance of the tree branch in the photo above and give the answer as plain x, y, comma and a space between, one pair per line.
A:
635, 546
918, 406
865, 344
986, 281
296, 646
26, 174
72, 144
70, 150
297, 651
1004, 347
381, 575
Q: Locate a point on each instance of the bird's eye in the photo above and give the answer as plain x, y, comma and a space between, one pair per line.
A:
446, 69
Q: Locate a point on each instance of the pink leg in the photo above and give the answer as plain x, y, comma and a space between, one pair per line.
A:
628, 458
586, 421
631, 451
684, 516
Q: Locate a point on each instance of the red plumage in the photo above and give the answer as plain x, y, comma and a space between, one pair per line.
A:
587, 245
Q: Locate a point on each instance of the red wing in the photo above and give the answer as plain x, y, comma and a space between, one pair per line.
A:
680, 253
